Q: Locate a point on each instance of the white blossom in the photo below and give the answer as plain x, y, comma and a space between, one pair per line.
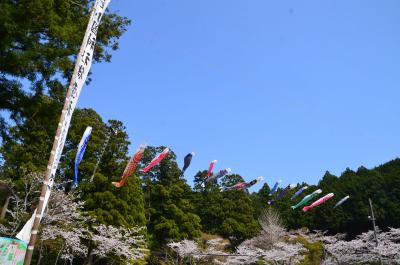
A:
64, 220
281, 252
119, 241
246, 253
185, 247
363, 248
20, 202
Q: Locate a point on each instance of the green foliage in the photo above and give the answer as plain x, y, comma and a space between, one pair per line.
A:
230, 180
40, 41
259, 200
229, 214
115, 206
26, 146
169, 210
381, 184
314, 253
39, 44
110, 205
81, 119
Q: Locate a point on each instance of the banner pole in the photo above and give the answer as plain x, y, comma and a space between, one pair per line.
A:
81, 70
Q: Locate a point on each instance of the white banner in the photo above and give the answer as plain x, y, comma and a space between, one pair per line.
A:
82, 67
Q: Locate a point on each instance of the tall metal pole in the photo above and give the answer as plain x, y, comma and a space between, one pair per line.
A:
373, 224
79, 76
101, 154
373, 221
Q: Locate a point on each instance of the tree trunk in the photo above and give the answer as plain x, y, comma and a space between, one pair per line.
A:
40, 253
4, 209
89, 258
59, 253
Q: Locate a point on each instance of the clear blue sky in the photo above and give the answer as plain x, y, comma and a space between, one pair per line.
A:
282, 89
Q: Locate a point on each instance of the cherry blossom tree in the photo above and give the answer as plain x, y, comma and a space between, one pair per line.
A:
363, 248
272, 229
20, 201
82, 237
64, 222
246, 253
185, 247
276, 246
127, 243
273, 245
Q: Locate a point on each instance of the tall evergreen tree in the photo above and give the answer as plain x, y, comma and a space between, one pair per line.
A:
169, 210
259, 200
229, 213
39, 44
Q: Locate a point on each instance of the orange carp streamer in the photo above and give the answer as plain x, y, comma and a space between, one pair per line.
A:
131, 166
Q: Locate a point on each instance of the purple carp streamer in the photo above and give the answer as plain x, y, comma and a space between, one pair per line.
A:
341, 201
282, 194
300, 191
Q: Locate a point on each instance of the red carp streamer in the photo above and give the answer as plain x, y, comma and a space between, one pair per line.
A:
210, 168
318, 202
156, 160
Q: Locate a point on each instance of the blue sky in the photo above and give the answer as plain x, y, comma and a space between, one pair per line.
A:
282, 89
